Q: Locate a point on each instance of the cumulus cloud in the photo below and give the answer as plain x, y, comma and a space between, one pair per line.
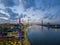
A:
4, 18
28, 3
3, 12
9, 3
4, 15
35, 9
45, 9
11, 13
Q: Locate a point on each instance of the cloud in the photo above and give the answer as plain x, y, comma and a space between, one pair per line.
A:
9, 3
45, 9
52, 13
28, 3
36, 9
4, 13
11, 13
4, 18
40, 4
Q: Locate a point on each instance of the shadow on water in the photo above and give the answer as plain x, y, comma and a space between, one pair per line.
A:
44, 36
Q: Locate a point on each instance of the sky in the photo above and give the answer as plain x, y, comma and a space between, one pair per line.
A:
11, 10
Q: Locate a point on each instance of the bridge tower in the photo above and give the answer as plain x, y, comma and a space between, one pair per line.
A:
19, 31
42, 24
19, 20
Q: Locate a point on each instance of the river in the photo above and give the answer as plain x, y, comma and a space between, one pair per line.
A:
45, 36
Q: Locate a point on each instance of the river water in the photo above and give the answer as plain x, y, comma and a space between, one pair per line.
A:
45, 36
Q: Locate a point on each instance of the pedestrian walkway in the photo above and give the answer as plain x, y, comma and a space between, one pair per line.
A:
12, 39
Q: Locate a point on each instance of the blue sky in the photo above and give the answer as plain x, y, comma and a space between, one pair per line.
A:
35, 9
